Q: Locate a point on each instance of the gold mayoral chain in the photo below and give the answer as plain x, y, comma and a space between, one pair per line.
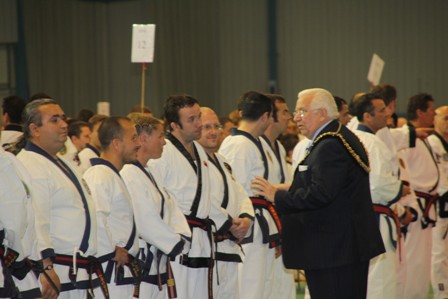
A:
345, 143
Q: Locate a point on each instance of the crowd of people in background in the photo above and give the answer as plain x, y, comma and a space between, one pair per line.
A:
197, 205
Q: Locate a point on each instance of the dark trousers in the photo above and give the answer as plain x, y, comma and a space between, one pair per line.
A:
345, 282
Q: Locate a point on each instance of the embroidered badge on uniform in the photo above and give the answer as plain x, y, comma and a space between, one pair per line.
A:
441, 287
86, 186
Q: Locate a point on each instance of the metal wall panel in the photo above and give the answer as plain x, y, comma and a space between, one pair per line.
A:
8, 21
329, 44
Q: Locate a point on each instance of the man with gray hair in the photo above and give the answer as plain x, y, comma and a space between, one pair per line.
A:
65, 218
329, 226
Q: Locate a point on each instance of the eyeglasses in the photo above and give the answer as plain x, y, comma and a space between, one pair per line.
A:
303, 112
210, 127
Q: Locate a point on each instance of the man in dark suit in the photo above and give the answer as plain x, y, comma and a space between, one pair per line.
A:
329, 226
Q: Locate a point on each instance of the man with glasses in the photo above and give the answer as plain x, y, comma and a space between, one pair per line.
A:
329, 226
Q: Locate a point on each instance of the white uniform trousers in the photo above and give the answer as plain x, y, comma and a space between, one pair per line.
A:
439, 273
28, 283
116, 291
382, 279
255, 273
228, 280
191, 283
401, 268
152, 291
283, 281
418, 258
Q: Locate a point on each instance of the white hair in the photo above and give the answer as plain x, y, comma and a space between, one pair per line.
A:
321, 98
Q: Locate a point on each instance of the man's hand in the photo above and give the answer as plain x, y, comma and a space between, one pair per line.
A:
278, 251
48, 291
239, 227
407, 217
422, 133
264, 188
405, 190
121, 256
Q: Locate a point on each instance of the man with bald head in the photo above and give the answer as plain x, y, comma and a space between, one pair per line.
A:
329, 226
439, 145
233, 201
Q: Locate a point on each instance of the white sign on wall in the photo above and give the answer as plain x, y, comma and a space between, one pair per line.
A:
375, 70
143, 37
103, 108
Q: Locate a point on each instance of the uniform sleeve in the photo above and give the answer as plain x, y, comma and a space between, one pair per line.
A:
177, 219
221, 217
403, 137
239, 159
40, 190
440, 154
151, 227
385, 187
13, 209
102, 195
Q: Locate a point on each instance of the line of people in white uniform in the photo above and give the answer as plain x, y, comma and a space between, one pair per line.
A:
153, 211
157, 213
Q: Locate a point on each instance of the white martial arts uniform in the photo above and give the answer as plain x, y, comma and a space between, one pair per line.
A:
231, 197
17, 219
419, 168
70, 156
10, 135
385, 189
283, 279
439, 260
299, 153
160, 224
176, 173
85, 155
248, 160
115, 224
397, 139
65, 217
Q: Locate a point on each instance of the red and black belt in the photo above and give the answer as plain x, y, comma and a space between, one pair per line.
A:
261, 203
380, 209
90, 263
430, 200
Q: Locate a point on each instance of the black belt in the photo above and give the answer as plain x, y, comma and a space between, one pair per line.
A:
90, 263
206, 225
430, 201
134, 267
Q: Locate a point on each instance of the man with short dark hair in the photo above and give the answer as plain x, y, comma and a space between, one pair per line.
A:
117, 235
244, 151
183, 170
283, 279
92, 149
12, 120
386, 190
418, 167
78, 137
